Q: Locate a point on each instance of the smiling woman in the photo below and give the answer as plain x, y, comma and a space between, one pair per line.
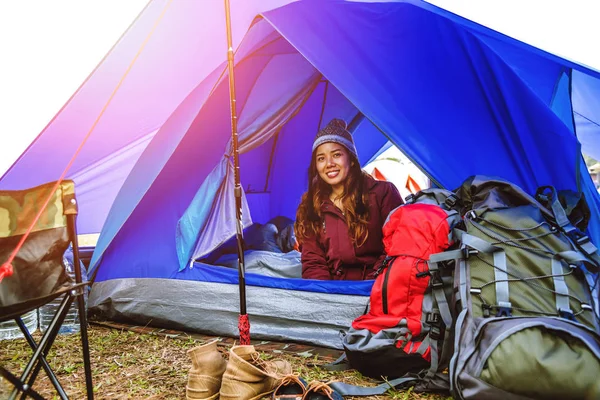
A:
339, 220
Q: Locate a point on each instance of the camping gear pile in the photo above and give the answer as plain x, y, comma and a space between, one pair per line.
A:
487, 292
504, 300
245, 376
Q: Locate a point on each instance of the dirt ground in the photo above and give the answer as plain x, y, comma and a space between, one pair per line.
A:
133, 365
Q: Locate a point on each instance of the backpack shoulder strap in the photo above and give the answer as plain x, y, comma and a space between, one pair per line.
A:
341, 364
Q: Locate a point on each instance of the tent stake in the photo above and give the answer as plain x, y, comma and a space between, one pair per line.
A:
244, 323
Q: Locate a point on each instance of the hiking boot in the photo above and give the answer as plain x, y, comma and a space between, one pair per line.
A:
291, 387
204, 378
321, 391
247, 377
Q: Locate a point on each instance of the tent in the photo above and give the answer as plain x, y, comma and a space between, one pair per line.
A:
456, 97
393, 166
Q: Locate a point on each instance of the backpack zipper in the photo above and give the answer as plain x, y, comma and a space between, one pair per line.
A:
384, 301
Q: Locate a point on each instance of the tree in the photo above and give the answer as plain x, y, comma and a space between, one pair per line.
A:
589, 161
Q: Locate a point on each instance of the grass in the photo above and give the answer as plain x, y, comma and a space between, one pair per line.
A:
130, 365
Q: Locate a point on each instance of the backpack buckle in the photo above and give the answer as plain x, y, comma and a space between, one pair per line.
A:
468, 252
567, 314
486, 309
435, 332
436, 279
410, 199
432, 318
384, 264
582, 240
504, 309
542, 198
451, 201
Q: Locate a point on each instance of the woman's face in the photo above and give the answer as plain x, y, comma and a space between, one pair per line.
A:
333, 163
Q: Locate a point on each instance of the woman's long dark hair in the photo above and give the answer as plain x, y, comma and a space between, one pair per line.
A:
355, 200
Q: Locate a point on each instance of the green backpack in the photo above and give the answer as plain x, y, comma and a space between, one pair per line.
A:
525, 320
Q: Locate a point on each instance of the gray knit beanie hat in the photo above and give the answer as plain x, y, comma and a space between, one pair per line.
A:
336, 131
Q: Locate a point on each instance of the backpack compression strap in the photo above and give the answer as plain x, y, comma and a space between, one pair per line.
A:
437, 289
580, 240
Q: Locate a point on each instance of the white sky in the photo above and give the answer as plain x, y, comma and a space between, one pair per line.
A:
49, 47
568, 28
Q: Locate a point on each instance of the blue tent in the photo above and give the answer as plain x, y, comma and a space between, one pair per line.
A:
457, 98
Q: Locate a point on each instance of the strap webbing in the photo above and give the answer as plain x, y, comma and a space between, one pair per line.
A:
501, 277
478, 244
423, 346
560, 287
572, 257
443, 307
341, 364
438, 290
559, 213
435, 359
446, 256
583, 243
500, 272
346, 389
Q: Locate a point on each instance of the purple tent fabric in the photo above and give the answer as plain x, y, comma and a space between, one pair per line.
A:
187, 47
411, 94
187, 44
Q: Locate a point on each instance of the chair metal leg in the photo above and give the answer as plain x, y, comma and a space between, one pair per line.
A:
45, 343
42, 361
72, 228
85, 346
49, 338
27, 391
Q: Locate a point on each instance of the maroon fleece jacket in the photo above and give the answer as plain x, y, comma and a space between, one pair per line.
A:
332, 255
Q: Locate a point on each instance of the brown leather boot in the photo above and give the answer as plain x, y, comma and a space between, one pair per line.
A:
204, 378
247, 377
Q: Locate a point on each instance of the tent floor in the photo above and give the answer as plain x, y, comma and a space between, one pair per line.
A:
303, 350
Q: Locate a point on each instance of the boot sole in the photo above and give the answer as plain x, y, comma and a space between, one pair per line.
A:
260, 396
213, 397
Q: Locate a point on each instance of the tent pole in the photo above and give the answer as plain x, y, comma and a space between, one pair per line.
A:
244, 323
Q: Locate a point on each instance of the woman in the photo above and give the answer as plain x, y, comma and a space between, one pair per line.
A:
339, 220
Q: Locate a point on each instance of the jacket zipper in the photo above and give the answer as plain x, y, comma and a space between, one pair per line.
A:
384, 299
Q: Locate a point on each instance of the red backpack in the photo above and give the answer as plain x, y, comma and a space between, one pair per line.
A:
403, 329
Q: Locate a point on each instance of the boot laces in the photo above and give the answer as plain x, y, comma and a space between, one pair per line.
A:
320, 387
268, 367
290, 379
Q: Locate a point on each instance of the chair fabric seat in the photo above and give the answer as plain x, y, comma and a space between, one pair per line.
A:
13, 311
38, 271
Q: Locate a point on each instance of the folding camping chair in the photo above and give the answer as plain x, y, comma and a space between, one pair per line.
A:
38, 276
